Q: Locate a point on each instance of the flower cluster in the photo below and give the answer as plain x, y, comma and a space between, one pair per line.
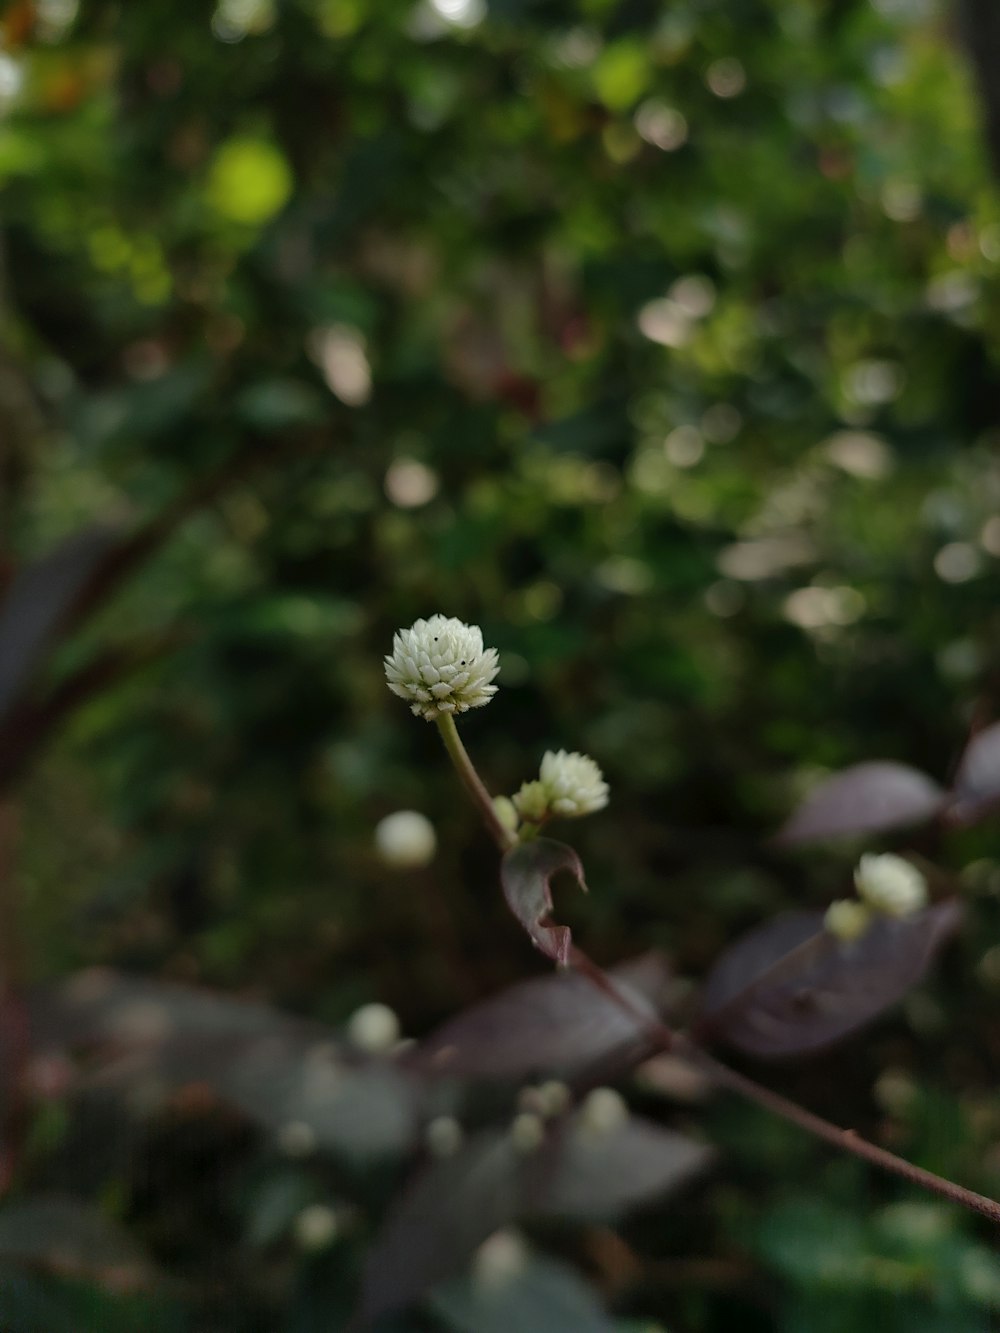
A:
887, 886
568, 784
890, 885
440, 666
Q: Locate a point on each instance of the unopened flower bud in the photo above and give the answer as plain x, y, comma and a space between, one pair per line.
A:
373, 1028
316, 1226
847, 919
440, 666
603, 1111
405, 840
532, 801
500, 1258
444, 1136
527, 1130
553, 1098
890, 885
506, 813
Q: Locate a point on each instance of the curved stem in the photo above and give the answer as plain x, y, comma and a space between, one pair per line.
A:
680, 1044
459, 757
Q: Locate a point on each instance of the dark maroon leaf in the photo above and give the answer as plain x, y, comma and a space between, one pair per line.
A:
277, 1069
867, 798
599, 1173
526, 874
977, 783
538, 1293
455, 1203
63, 1235
442, 1217
558, 1023
38, 601
791, 987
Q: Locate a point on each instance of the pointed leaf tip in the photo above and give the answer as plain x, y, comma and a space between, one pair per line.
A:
526, 875
865, 798
789, 987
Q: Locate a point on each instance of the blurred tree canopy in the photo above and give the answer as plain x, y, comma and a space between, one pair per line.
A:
661, 340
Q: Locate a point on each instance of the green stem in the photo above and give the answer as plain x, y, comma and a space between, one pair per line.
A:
465, 769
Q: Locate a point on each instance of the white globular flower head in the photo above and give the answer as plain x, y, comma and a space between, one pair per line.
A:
573, 782
847, 919
890, 885
440, 666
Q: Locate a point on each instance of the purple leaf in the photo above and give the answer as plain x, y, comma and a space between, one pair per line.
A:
866, 798
526, 874
277, 1069
977, 783
455, 1203
537, 1293
557, 1023
447, 1211
599, 1173
38, 602
790, 987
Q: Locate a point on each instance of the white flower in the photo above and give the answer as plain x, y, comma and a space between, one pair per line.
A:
405, 840
847, 919
568, 784
440, 666
890, 885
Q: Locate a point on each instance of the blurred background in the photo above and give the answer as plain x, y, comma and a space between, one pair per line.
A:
661, 340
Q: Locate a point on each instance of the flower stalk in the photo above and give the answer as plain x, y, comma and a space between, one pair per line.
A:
472, 782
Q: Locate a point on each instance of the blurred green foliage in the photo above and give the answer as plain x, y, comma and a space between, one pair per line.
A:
661, 340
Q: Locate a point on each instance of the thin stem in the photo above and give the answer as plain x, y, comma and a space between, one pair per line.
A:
846, 1139
680, 1044
472, 782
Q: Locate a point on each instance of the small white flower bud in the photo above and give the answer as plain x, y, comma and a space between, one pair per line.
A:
316, 1226
527, 1130
532, 801
500, 1258
373, 1028
847, 919
444, 1136
603, 1111
405, 840
553, 1098
506, 813
440, 666
297, 1139
890, 885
